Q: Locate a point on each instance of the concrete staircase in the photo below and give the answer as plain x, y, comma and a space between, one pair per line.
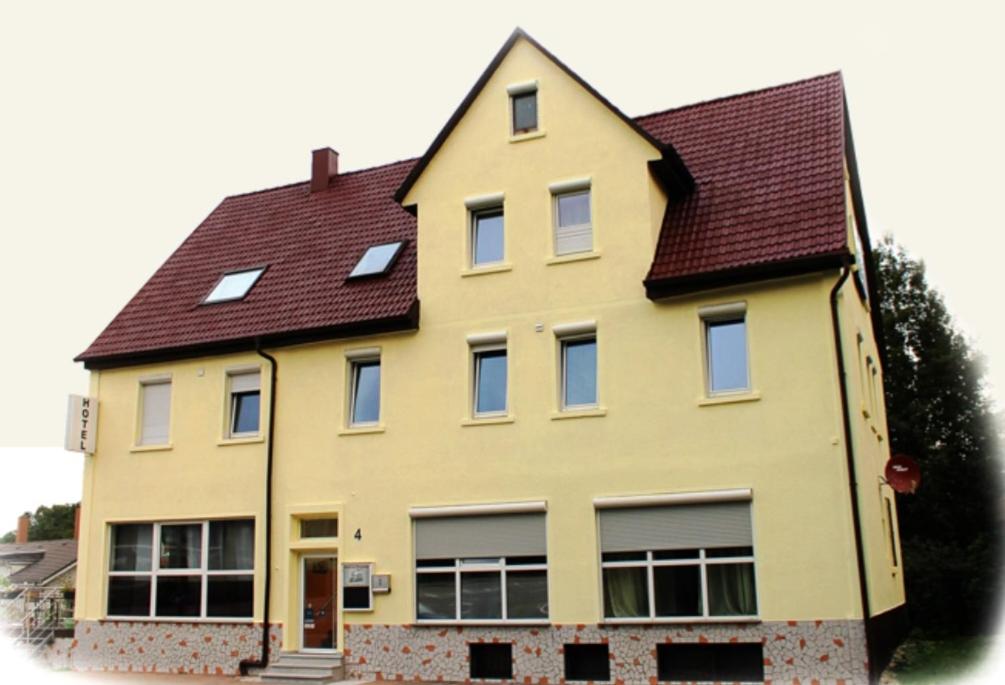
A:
295, 667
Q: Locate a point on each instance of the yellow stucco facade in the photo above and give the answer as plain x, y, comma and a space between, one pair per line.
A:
654, 430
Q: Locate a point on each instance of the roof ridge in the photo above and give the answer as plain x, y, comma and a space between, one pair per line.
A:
746, 93
306, 181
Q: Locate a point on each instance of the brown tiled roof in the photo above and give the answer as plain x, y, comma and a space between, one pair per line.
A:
769, 194
768, 169
55, 556
309, 242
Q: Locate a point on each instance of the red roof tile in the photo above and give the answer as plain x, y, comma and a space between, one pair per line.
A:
768, 167
310, 242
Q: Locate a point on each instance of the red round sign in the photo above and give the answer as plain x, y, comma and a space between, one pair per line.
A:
903, 473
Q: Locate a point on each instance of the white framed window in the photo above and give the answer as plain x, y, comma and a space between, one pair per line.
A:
244, 401
481, 568
681, 562
489, 373
572, 216
727, 368
488, 240
357, 587
577, 365
234, 285
191, 570
364, 390
523, 108
155, 412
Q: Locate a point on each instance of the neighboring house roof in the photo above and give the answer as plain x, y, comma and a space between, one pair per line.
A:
47, 557
769, 191
768, 200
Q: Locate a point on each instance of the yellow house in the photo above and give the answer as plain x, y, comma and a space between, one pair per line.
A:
636, 432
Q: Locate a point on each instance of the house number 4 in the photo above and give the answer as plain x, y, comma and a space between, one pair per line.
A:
358, 534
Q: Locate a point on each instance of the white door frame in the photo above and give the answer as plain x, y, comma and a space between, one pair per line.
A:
335, 600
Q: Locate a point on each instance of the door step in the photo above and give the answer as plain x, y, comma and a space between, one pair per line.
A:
295, 667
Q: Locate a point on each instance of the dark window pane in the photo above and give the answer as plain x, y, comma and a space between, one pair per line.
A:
481, 595
128, 596
625, 594
677, 590
574, 209
227, 596
179, 595
734, 662
491, 388
524, 112
488, 238
624, 556
181, 546
675, 554
727, 355
436, 595
580, 372
366, 393
246, 406
521, 561
731, 590
428, 563
356, 598
526, 594
587, 662
232, 545
131, 547
319, 528
720, 552
491, 661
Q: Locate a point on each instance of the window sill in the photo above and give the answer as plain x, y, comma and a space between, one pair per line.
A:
484, 622
752, 396
530, 135
578, 413
573, 257
224, 442
182, 619
489, 269
362, 430
488, 420
152, 448
668, 620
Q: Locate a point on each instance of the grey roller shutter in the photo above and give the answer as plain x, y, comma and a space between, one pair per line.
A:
686, 526
245, 382
480, 536
156, 413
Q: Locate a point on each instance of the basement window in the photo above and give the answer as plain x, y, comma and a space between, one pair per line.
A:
377, 260
726, 662
587, 662
492, 661
234, 285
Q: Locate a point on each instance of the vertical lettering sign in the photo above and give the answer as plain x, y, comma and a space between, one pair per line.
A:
81, 424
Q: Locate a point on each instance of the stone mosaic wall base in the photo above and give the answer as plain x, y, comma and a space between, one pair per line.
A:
155, 647
798, 652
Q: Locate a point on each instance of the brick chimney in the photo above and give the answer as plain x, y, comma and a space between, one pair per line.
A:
324, 167
22, 528
76, 522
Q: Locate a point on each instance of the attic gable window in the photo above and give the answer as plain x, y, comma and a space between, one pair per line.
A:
523, 107
234, 285
377, 260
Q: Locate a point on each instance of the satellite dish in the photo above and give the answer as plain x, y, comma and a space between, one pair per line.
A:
903, 474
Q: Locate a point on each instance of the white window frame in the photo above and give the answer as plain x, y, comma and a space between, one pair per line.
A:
571, 333
203, 572
142, 408
566, 189
460, 567
232, 404
478, 349
703, 562
473, 216
722, 314
355, 359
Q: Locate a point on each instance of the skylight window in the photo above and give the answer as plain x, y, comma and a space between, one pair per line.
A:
376, 260
234, 286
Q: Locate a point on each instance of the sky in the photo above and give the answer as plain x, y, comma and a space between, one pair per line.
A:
124, 124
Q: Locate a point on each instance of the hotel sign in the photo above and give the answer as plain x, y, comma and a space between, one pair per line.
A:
81, 424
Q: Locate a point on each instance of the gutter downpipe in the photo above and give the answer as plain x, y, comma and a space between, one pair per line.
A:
850, 456
263, 661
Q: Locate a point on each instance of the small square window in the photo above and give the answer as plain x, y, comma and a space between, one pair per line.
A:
490, 382
726, 353
579, 372
524, 107
234, 285
364, 401
487, 237
573, 222
155, 408
245, 404
491, 661
589, 662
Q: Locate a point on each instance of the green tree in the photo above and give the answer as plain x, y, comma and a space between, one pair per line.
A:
52, 523
9, 536
939, 413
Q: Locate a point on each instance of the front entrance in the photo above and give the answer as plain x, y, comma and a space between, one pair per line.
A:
318, 602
